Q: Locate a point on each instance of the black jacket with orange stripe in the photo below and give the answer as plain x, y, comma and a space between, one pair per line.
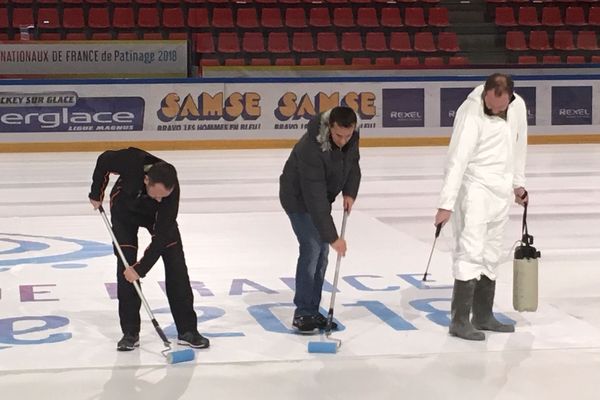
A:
129, 194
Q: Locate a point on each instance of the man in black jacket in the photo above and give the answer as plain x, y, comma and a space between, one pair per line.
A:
323, 163
146, 194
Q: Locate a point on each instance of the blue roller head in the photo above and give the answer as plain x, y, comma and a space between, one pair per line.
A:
175, 357
322, 347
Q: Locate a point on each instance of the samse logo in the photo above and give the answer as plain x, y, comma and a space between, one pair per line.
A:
87, 114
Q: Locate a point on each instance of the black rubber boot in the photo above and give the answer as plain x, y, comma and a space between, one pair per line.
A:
483, 301
462, 300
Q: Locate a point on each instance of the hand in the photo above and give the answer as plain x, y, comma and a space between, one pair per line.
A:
521, 196
348, 202
340, 246
96, 204
131, 275
442, 216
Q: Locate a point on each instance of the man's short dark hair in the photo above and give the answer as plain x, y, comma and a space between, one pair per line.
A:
500, 84
343, 116
163, 172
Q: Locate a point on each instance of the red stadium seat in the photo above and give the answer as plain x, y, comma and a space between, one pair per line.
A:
448, 41
327, 42
424, 42
122, 18
172, 18
352, 42
271, 18
148, 18
302, 42
227, 42
222, 18
575, 16
515, 41
253, 42
438, 17
563, 40
414, 17
246, 18
73, 18
343, 18
586, 40
390, 17
528, 16
295, 18
198, 18
551, 16
505, 16
538, 40
400, 41
375, 41
319, 17
409, 62
367, 18
204, 43
527, 60
278, 42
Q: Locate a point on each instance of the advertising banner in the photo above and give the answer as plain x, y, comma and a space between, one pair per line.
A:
67, 112
529, 96
403, 108
255, 110
98, 58
450, 100
571, 105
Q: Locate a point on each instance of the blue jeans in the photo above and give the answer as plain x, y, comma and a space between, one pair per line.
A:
312, 264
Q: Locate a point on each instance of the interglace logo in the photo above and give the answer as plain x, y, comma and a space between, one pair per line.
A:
66, 112
19, 249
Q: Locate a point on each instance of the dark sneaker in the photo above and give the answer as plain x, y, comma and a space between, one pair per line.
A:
321, 322
128, 342
193, 339
305, 324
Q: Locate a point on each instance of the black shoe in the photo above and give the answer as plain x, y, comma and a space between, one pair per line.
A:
305, 324
193, 339
128, 342
321, 322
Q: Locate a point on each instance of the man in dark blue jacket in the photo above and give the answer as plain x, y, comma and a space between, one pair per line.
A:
323, 163
146, 194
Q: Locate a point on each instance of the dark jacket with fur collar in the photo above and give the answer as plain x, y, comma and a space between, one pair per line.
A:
316, 172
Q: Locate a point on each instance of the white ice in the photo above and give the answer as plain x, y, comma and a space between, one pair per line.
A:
234, 229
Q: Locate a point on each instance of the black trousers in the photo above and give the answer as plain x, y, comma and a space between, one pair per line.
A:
126, 225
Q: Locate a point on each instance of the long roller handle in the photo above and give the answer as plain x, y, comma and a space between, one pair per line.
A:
335, 277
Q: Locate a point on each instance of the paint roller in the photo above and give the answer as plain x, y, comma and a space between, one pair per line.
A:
330, 345
173, 357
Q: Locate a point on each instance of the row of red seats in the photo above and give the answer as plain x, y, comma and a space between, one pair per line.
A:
306, 42
562, 40
95, 36
224, 3
554, 59
222, 18
550, 17
559, 2
404, 62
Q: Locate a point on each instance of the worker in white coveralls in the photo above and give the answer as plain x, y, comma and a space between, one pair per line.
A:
484, 171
